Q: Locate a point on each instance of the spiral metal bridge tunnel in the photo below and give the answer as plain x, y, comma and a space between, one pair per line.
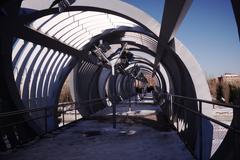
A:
41, 47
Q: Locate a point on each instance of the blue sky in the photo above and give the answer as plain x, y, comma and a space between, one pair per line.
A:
209, 31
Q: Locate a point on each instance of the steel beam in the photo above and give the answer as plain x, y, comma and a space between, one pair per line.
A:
36, 37
173, 15
236, 10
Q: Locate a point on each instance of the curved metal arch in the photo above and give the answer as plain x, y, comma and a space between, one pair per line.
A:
26, 93
54, 26
54, 70
120, 32
118, 8
38, 72
61, 63
18, 54
102, 82
19, 76
159, 76
123, 10
117, 32
41, 78
94, 80
85, 72
74, 21
139, 45
49, 73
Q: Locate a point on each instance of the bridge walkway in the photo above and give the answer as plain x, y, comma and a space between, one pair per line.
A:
142, 133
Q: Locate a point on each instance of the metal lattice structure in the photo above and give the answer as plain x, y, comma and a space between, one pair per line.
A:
41, 47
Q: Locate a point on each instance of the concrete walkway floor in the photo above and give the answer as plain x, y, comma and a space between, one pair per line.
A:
94, 140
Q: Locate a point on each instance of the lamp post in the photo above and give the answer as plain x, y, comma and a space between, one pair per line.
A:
101, 56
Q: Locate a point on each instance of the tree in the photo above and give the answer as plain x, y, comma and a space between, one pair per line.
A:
234, 94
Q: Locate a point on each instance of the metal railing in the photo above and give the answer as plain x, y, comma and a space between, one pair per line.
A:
63, 106
43, 113
179, 107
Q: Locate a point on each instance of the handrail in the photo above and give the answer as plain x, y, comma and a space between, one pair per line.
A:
24, 121
45, 110
23, 111
209, 102
202, 100
208, 118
